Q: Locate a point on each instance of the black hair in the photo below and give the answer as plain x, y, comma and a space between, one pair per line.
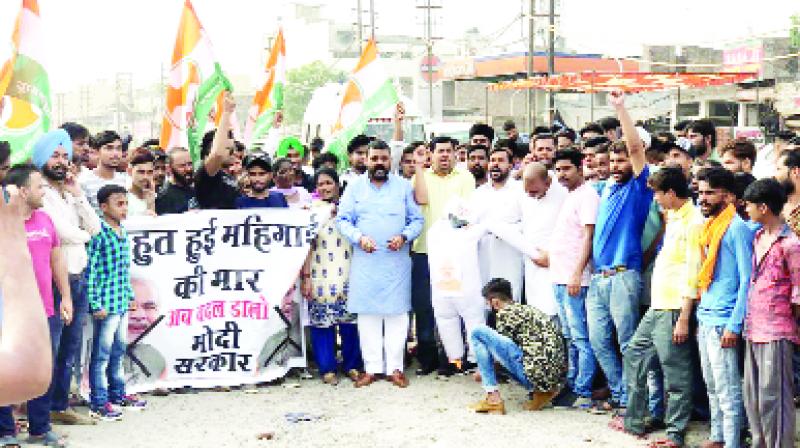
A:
767, 191
5, 151
106, 137
505, 143
327, 172
508, 152
276, 166
609, 123
569, 133
742, 148
379, 144
241, 148
413, 146
442, 139
151, 142
472, 148
325, 157
482, 129
618, 147
670, 178
76, 131
704, 127
668, 137
317, 144
785, 135
791, 158
741, 182
499, 288
544, 136
20, 175
357, 142
682, 125
140, 156
596, 141
509, 125
575, 157
108, 190
591, 127
540, 130
718, 177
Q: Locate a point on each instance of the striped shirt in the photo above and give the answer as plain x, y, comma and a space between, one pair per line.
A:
108, 280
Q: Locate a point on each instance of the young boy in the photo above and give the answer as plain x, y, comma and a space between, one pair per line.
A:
109, 291
527, 343
773, 305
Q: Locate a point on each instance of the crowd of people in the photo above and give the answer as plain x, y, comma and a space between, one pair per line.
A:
653, 277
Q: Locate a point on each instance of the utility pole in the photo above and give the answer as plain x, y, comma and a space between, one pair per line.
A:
428, 7
360, 26
372, 19
531, 47
551, 62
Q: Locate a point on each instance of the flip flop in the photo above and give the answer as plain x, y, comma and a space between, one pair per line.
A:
618, 424
663, 443
49, 438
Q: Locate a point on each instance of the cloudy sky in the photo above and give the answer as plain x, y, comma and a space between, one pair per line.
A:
91, 39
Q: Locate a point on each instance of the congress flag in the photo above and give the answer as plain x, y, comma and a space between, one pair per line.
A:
269, 99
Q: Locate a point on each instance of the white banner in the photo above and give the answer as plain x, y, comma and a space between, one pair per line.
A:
215, 297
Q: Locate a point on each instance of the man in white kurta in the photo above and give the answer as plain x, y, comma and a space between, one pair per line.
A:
538, 206
497, 201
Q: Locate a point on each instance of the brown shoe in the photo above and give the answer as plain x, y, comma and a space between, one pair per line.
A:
539, 400
365, 380
484, 407
398, 379
70, 417
353, 374
330, 378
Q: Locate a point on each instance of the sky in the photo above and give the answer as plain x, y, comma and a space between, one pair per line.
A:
93, 39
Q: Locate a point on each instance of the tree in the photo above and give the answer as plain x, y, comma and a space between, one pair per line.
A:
300, 85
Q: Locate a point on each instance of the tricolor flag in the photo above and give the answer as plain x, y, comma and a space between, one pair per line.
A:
368, 93
25, 106
269, 99
195, 82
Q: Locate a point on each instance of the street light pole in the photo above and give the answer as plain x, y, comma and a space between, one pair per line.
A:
551, 63
530, 119
360, 27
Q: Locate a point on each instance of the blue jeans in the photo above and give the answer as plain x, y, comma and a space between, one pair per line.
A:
491, 346
427, 353
572, 314
613, 303
724, 385
323, 342
106, 378
39, 407
68, 361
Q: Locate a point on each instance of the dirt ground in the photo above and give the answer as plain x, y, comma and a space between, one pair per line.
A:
430, 413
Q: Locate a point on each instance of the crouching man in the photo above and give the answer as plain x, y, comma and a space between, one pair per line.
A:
527, 343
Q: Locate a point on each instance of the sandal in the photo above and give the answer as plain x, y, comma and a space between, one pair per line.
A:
9, 442
663, 443
618, 424
49, 438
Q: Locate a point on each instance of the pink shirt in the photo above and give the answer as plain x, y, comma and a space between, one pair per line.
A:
774, 287
566, 242
42, 239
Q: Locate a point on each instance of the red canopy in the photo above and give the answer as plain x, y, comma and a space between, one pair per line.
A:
625, 81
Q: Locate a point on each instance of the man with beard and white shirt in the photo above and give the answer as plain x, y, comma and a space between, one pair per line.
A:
107, 171
496, 202
75, 222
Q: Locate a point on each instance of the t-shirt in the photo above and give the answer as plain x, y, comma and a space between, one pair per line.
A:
136, 206
92, 183
174, 199
578, 211
620, 222
274, 200
441, 190
215, 192
42, 239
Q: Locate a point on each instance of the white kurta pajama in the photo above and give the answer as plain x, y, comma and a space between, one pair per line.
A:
498, 258
538, 217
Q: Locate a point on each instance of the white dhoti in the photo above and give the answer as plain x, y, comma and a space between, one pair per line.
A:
449, 312
498, 259
383, 342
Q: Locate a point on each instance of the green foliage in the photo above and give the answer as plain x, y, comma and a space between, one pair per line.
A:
300, 85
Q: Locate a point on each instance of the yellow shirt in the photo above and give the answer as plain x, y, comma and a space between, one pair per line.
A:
676, 267
441, 189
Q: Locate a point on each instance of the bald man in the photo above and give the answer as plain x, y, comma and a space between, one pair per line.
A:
538, 206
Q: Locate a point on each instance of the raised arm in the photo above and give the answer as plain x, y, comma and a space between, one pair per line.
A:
420, 185
219, 146
632, 140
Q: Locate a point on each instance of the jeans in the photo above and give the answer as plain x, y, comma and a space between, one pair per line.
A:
582, 364
68, 360
491, 346
106, 378
613, 303
724, 385
423, 310
652, 345
323, 342
39, 407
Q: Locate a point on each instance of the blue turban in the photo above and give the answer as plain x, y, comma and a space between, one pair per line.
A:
47, 144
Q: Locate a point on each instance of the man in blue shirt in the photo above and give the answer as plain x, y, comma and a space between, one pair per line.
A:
380, 217
727, 246
612, 301
259, 172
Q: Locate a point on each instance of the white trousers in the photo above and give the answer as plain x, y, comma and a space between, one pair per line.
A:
383, 341
449, 311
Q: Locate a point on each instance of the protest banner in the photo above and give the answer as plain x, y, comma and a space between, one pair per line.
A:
215, 297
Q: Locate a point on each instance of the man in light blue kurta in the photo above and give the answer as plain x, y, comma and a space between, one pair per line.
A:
379, 216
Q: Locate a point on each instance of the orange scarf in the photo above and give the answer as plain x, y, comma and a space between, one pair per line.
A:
713, 231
